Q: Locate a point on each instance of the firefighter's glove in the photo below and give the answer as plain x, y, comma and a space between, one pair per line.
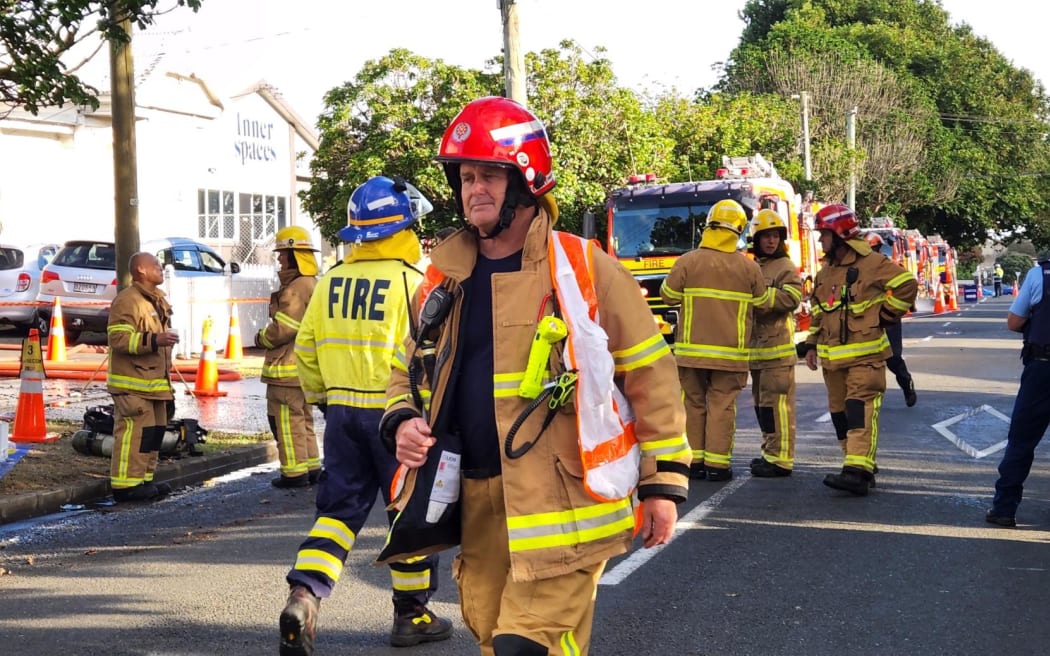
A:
549, 331
323, 409
802, 348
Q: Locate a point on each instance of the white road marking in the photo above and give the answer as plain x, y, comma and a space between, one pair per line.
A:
691, 521
824, 418
942, 428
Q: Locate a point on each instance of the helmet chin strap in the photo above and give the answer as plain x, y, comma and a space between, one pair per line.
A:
506, 213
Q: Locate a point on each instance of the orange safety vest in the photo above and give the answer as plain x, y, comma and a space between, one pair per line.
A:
605, 422
609, 449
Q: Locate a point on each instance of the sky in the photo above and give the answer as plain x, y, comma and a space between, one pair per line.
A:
306, 47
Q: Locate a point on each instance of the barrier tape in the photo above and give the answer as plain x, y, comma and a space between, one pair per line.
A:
65, 303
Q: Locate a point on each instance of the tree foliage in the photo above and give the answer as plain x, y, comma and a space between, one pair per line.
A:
35, 35
962, 145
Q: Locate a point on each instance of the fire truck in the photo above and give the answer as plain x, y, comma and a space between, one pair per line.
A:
930, 259
652, 223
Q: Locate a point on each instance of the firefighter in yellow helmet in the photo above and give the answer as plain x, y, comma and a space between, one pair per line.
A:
718, 289
773, 356
290, 416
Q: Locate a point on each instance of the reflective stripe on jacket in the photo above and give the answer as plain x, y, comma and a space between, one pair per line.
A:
555, 526
883, 292
356, 318
717, 292
287, 307
773, 333
136, 364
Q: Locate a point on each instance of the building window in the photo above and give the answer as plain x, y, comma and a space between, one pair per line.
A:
222, 215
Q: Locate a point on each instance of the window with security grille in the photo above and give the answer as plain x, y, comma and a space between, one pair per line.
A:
215, 214
230, 215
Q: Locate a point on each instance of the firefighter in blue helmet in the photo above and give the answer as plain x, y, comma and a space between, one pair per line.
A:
353, 324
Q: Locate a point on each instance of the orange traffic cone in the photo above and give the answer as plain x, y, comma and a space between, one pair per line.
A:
207, 383
1015, 289
30, 425
234, 348
56, 337
953, 298
938, 301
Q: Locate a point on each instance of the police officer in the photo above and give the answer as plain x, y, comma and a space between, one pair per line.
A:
773, 356
290, 416
346, 343
856, 294
1029, 315
718, 291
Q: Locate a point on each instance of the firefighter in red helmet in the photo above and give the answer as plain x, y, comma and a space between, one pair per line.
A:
500, 307
856, 294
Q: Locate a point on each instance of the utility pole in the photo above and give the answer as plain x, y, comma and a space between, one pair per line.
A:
513, 58
805, 134
851, 143
125, 161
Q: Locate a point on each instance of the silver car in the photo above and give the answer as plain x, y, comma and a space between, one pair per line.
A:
20, 268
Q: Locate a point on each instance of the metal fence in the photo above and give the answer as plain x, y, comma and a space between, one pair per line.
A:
194, 300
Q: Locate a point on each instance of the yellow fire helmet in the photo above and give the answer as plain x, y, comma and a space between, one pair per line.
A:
297, 239
768, 220
727, 214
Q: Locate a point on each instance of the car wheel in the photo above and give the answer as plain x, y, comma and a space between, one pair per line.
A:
42, 324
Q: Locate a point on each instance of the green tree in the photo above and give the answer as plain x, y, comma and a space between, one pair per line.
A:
35, 36
391, 117
981, 122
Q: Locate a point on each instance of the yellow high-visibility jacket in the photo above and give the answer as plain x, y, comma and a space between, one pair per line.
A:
554, 525
136, 364
882, 293
773, 333
357, 317
717, 292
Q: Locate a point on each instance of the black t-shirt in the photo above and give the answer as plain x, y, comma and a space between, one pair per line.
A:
474, 412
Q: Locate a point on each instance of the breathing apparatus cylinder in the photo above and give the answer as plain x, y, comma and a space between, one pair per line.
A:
549, 332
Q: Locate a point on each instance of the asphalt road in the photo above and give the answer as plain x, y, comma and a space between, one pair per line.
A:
763, 567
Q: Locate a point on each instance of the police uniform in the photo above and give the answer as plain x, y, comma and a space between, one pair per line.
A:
1031, 413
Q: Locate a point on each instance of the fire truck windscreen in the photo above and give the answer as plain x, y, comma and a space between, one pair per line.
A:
656, 230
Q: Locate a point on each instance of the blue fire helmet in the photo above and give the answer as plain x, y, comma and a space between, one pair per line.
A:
382, 207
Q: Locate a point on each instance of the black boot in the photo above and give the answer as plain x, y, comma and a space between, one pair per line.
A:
718, 474
299, 622
696, 471
286, 482
765, 469
418, 624
852, 479
140, 492
314, 475
907, 384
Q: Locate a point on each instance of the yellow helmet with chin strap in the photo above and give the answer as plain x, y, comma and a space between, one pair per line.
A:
768, 220
297, 240
727, 214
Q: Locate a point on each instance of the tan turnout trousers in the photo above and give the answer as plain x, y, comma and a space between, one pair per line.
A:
710, 413
556, 612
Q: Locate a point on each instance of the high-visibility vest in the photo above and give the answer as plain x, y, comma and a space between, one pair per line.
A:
609, 450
